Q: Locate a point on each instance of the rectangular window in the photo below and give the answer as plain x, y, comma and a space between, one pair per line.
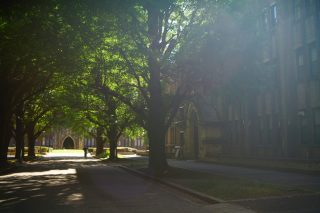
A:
266, 53
316, 124
273, 46
265, 20
297, 10
300, 61
313, 58
298, 31
301, 96
274, 15
303, 127
314, 53
310, 29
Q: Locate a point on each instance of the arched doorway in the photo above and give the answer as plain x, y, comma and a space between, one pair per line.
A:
195, 130
68, 143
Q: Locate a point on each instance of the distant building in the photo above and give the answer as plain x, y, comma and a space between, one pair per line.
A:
65, 139
61, 139
137, 143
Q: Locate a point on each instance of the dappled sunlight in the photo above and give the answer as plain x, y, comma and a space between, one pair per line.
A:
77, 160
129, 156
66, 153
53, 180
74, 197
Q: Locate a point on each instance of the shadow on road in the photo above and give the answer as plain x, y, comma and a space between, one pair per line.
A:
39, 191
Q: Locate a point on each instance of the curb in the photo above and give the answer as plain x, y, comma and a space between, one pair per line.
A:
199, 195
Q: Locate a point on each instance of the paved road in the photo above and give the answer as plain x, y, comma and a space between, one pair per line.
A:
296, 204
86, 185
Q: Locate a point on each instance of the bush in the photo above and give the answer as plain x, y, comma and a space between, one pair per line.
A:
41, 149
92, 150
105, 154
37, 150
44, 149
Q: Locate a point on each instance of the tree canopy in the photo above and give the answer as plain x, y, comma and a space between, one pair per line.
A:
115, 67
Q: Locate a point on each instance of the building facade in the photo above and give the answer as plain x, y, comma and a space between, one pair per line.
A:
137, 143
280, 118
64, 139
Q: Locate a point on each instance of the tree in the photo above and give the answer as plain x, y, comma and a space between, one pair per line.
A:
109, 116
35, 44
39, 116
150, 34
19, 131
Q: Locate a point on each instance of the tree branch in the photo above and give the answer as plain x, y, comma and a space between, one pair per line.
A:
141, 112
134, 73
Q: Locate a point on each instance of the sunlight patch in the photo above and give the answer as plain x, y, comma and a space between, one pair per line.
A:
75, 160
50, 172
75, 197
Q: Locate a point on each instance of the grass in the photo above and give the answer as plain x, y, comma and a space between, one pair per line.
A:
223, 187
131, 163
227, 188
285, 165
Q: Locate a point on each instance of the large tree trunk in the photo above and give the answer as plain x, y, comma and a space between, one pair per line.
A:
31, 149
23, 149
157, 158
156, 133
113, 130
113, 149
5, 132
4, 141
19, 132
100, 141
113, 139
31, 143
156, 123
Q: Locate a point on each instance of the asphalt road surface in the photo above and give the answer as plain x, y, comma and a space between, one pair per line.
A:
86, 185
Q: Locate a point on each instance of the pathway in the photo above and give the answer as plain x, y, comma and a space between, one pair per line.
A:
87, 185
